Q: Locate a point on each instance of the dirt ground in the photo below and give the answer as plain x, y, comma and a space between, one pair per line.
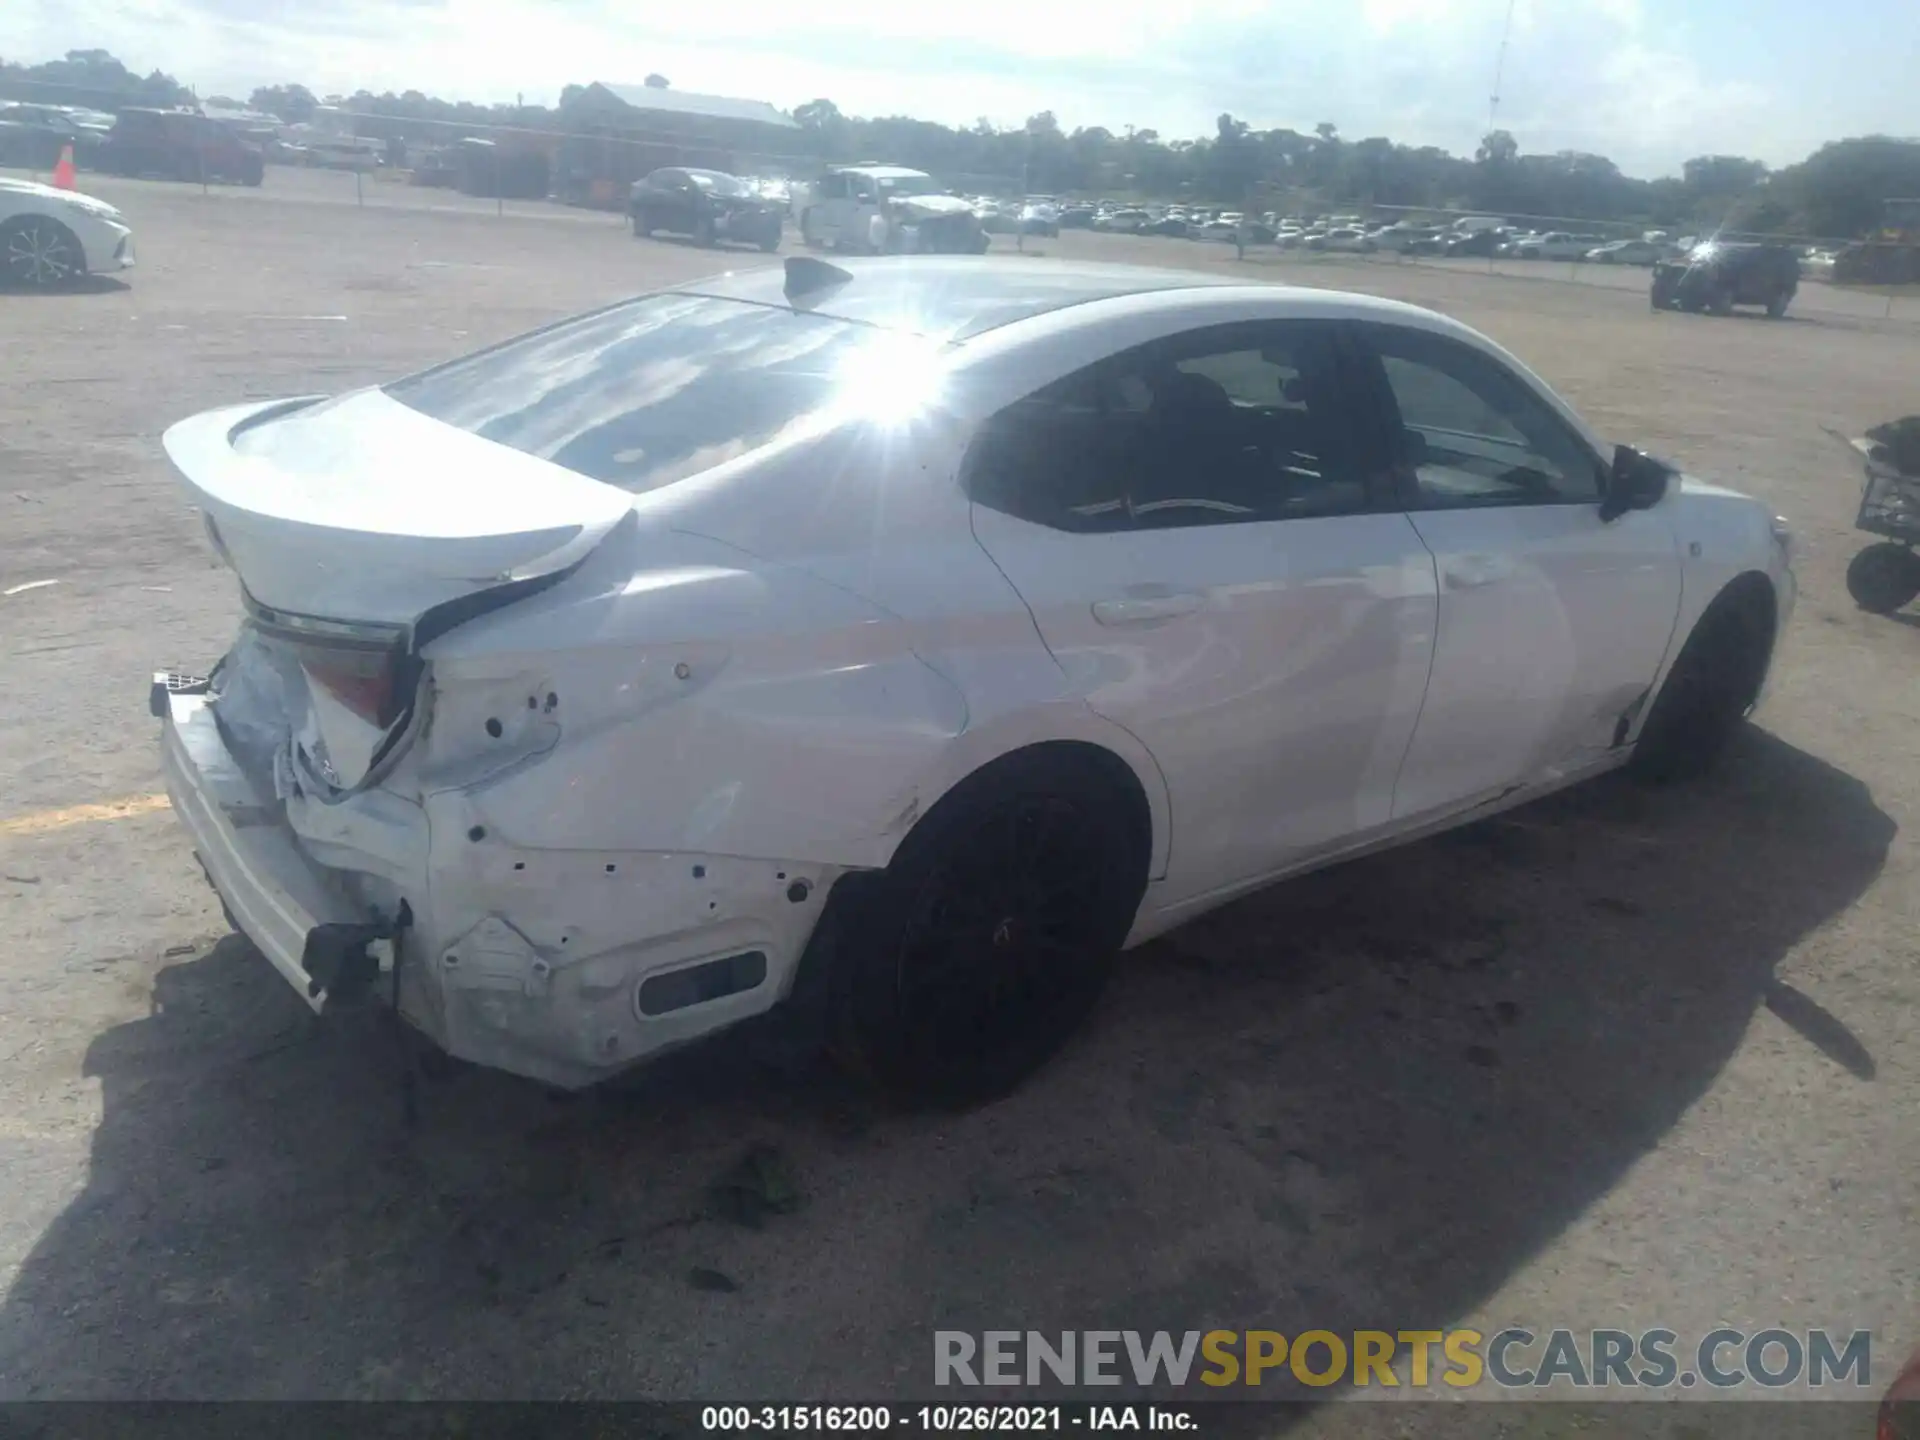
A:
1622, 1058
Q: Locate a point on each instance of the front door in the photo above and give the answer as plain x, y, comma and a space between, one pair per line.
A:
1553, 623
1215, 563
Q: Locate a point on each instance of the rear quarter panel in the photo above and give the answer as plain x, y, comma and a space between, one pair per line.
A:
838, 680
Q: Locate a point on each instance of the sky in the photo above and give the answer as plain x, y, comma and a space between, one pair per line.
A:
1647, 83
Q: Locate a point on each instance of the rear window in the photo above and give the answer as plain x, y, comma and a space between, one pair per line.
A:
648, 392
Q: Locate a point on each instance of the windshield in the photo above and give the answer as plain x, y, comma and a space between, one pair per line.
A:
647, 392
899, 187
718, 183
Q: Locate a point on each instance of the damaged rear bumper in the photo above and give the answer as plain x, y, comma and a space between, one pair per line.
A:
320, 939
562, 966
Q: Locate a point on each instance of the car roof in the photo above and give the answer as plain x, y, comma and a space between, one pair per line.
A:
959, 297
881, 172
953, 297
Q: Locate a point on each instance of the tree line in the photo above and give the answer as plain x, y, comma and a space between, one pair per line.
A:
1837, 191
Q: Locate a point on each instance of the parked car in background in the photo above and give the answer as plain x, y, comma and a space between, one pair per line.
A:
1349, 239
1128, 222
50, 237
1717, 276
1177, 226
1039, 217
881, 209
179, 145
1628, 252
33, 137
1403, 238
741, 643
996, 217
1077, 217
1483, 242
1548, 245
342, 152
709, 205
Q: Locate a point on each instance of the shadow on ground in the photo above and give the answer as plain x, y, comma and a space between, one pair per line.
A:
83, 285
1360, 1098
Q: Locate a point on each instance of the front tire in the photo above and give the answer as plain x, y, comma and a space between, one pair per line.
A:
966, 964
1777, 306
1712, 687
703, 232
1721, 302
1883, 577
40, 253
642, 230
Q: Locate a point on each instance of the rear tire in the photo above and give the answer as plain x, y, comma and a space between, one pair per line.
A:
641, 229
1883, 577
703, 232
1712, 687
1777, 306
966, 964
1721, 302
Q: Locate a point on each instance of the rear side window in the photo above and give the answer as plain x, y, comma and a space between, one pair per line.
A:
648, 392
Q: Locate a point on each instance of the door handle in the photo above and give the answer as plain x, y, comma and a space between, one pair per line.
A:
1146, 609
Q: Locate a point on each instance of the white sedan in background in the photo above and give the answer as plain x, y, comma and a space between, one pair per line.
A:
52, 237
1628, 252
902, 640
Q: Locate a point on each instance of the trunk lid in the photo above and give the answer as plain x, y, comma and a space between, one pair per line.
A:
359, 508
358, 527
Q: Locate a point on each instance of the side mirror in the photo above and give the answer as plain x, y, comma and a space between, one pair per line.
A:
1636, 481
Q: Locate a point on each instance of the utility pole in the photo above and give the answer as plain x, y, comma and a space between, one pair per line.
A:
1499, 68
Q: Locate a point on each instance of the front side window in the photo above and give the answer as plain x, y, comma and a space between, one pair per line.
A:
648, 392
1472, 432
1236, 424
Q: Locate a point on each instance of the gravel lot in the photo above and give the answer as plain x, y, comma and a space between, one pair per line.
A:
1622, 1058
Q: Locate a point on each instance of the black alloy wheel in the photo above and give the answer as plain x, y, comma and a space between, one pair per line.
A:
985, 944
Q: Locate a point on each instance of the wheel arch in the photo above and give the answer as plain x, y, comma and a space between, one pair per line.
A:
1069, 731
1750, 589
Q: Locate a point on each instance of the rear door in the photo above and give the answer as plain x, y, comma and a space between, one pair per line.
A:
1552, 622
1213, 552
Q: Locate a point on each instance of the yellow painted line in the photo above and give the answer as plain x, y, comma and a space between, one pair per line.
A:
43, 821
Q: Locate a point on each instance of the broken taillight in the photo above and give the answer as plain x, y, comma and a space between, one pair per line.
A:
364, 683
363, 665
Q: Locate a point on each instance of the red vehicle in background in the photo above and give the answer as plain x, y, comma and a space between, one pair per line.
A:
179, 145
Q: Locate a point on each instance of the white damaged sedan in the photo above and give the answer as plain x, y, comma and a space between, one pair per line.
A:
906, 638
